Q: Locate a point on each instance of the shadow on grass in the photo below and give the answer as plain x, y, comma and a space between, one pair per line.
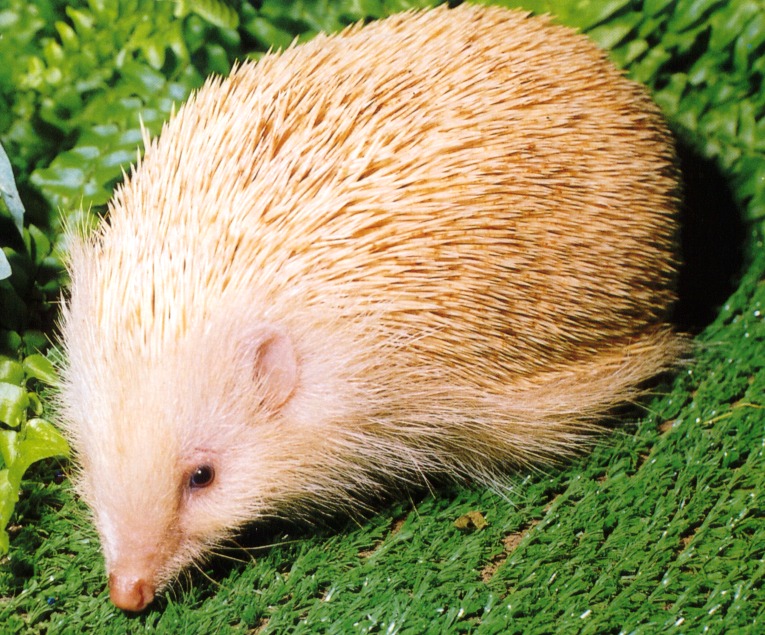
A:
712, 237
258, 539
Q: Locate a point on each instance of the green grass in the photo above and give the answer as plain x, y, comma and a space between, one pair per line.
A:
660, 529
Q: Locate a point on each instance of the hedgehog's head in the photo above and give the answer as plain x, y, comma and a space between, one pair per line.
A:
177, 450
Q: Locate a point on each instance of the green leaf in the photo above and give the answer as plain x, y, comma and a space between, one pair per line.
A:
9, 446
11, 370
155, 54
41, 441
67, 35
39, 244
689, 12
149, 79
13, 404
216, 12
82, 20
10, 340
647, 69
5, 266
612, 33
669, 97
9, 193
629, 52
39, 367
267, 34
367, 8
653, 7
37, 440
728, 25
9, 495
34, 341
35, 404
590, 13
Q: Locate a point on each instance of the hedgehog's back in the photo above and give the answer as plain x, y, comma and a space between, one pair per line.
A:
480, 186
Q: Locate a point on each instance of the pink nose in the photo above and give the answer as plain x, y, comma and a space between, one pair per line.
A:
130, 593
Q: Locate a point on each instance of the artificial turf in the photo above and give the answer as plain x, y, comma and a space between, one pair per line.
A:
661, 528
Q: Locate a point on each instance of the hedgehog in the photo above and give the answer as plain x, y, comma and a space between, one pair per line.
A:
438, 246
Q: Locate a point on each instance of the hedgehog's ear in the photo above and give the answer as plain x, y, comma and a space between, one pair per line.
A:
275, 365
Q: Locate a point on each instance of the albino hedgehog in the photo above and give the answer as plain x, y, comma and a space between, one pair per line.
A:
437, 245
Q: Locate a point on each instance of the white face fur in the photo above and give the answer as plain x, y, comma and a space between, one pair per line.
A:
182, 454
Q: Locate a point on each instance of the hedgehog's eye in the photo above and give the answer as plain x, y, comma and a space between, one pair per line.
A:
202, 477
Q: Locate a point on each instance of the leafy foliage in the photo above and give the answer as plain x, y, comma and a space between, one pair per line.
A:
23, 441
657, 530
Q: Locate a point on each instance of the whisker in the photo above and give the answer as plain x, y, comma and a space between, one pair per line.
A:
205, 575
271, 545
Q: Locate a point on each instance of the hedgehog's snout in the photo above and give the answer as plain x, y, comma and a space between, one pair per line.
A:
130, 592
